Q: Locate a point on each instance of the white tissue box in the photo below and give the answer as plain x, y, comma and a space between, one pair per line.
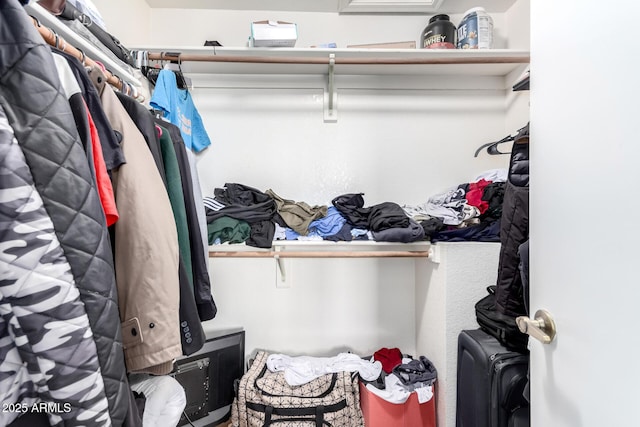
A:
273, 34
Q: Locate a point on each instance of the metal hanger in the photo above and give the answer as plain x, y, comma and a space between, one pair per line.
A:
492, 147
176, 66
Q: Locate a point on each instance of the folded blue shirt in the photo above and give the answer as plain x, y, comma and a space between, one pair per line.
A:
330, 224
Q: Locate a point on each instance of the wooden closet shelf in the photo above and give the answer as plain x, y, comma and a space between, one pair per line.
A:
348, 60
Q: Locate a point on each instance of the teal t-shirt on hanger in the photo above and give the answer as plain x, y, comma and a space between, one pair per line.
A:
177, 107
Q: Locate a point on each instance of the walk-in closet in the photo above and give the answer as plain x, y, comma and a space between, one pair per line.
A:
176, 286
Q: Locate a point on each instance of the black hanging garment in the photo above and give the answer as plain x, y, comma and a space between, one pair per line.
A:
514, 229
207, 308
496, 312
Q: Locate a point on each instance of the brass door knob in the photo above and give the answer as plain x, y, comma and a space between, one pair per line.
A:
541, 327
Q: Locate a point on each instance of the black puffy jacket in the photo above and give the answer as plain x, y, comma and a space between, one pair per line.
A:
514, 228
44, 127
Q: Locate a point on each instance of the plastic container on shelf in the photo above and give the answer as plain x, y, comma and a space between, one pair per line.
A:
475, 30
439, 34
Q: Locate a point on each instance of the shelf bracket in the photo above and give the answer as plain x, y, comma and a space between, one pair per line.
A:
281, 269
434, 254
330, 94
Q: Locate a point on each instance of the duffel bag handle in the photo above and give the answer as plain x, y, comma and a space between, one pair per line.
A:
268, 411
319, 416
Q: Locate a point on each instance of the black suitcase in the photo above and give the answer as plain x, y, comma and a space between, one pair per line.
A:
490, 383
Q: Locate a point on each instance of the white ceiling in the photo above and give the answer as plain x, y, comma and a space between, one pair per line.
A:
339, 6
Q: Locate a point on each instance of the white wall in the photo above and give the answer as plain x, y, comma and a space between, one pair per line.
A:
446, 294
518, 25
322, 308
517, 19
128, 20
400, 145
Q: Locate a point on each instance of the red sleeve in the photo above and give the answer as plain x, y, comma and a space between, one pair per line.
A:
103, 181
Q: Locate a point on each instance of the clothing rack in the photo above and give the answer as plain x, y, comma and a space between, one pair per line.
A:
331, 62
466, 59
50, 29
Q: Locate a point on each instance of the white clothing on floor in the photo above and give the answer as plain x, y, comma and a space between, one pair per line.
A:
165, 400
302, 369
395, 392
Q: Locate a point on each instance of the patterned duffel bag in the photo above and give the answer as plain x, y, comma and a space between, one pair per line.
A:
264, 398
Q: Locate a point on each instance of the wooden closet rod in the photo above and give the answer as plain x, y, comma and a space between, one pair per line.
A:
318, 254
58, 42
162, 56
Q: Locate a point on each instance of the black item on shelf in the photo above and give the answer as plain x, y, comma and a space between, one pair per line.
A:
523, 82
522, 85
439, 34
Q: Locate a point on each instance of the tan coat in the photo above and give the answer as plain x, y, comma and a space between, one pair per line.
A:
146, 251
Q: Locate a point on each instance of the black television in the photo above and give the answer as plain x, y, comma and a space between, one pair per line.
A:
208, 378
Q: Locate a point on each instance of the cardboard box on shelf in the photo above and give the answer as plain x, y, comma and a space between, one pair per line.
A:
273, 34
389, 45
378, 412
